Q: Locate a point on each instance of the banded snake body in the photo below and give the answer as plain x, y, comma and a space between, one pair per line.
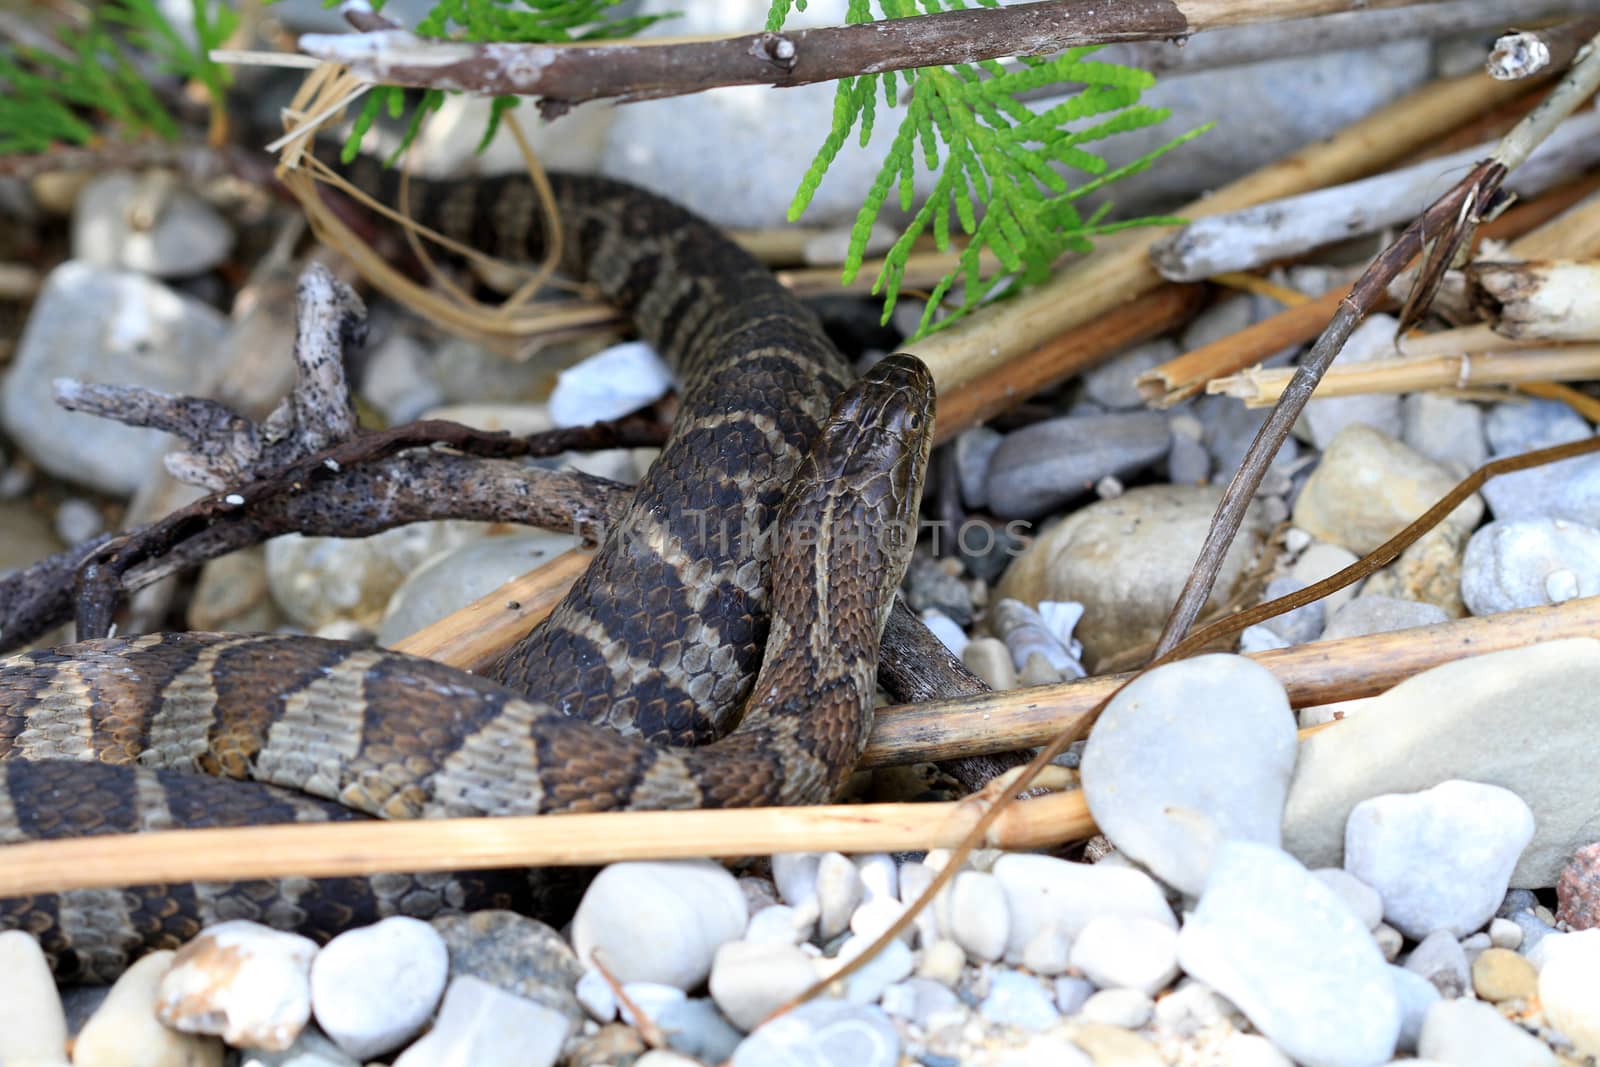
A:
676, 633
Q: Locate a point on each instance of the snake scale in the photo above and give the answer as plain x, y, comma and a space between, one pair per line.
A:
745, 588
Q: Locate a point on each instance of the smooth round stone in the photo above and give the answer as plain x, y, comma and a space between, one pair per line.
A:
1524, 424
989, 659
1300, 625
33, 1026
1149, 770
1127, 1008
1283, 947
1566, 490
1503, 933
659, 921
249, 984
1500, 974
1117, 952
96, 324
455, 578
375, 987
124, 1030
1440, 859
823, 1033
918, 1000
1526, 719
915, 878
1440, 959
1125, 561
1526, 563
1361, 898
1042, 891
1020, 1000
1322, 560
649, 998
973, 914
482, 1025
1578, 889
1369, 486
596, 996
1040, 467
185, 235
1072, 993
1567, 985
1114, 383
880, 876
516, 953
876, 916
1389, 940
839, 890
1470, 1033
750, 981
1415, 995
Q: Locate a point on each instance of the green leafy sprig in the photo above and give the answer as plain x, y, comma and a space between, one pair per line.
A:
999, 165
66, 96
534, 21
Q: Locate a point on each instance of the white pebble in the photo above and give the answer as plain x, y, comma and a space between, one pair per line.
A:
1127, 1008
839, 890
659, 921
1361, 897
914, 881
779, 925
893, 963
77, 520
596, 996
1021, 1000
880, 876
751, 981
609, 384
650, 998
1041, 890
1567, 988
33, 1027
973, 915
795, 874
374, 988
947, 630
876, 916
482, 1025
1118, 952
1503, 933
1049, 950
249, 984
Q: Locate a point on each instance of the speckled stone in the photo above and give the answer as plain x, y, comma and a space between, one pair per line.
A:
1578, 889
516, 953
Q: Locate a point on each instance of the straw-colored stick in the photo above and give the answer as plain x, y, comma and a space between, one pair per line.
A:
1121, 270
1316, 673
1261, 387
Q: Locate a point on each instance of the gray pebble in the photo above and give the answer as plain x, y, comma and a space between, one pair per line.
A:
932, 587
1145, 770
889, 966
455, 578
1566, 490
974, 449
77, 520
1375, 614
1326, 417
1441, 858
1188, 461
1416, 995
1523, 425
1111, 384
1446, 430
1525, 563
184, 236
519, 954
101, 325
1283, 947
1042, 466
695, 1028
823, 1033
1440, 959
1300, 625
918, 1000
1470, 1033
1020, 1000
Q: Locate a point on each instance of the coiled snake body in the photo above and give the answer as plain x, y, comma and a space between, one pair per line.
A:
756, 529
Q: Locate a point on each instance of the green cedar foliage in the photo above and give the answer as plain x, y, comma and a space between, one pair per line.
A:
998, 164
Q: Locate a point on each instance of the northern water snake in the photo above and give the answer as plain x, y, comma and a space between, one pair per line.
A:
659, 643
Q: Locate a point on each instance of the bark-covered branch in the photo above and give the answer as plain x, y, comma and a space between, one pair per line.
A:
567, 74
